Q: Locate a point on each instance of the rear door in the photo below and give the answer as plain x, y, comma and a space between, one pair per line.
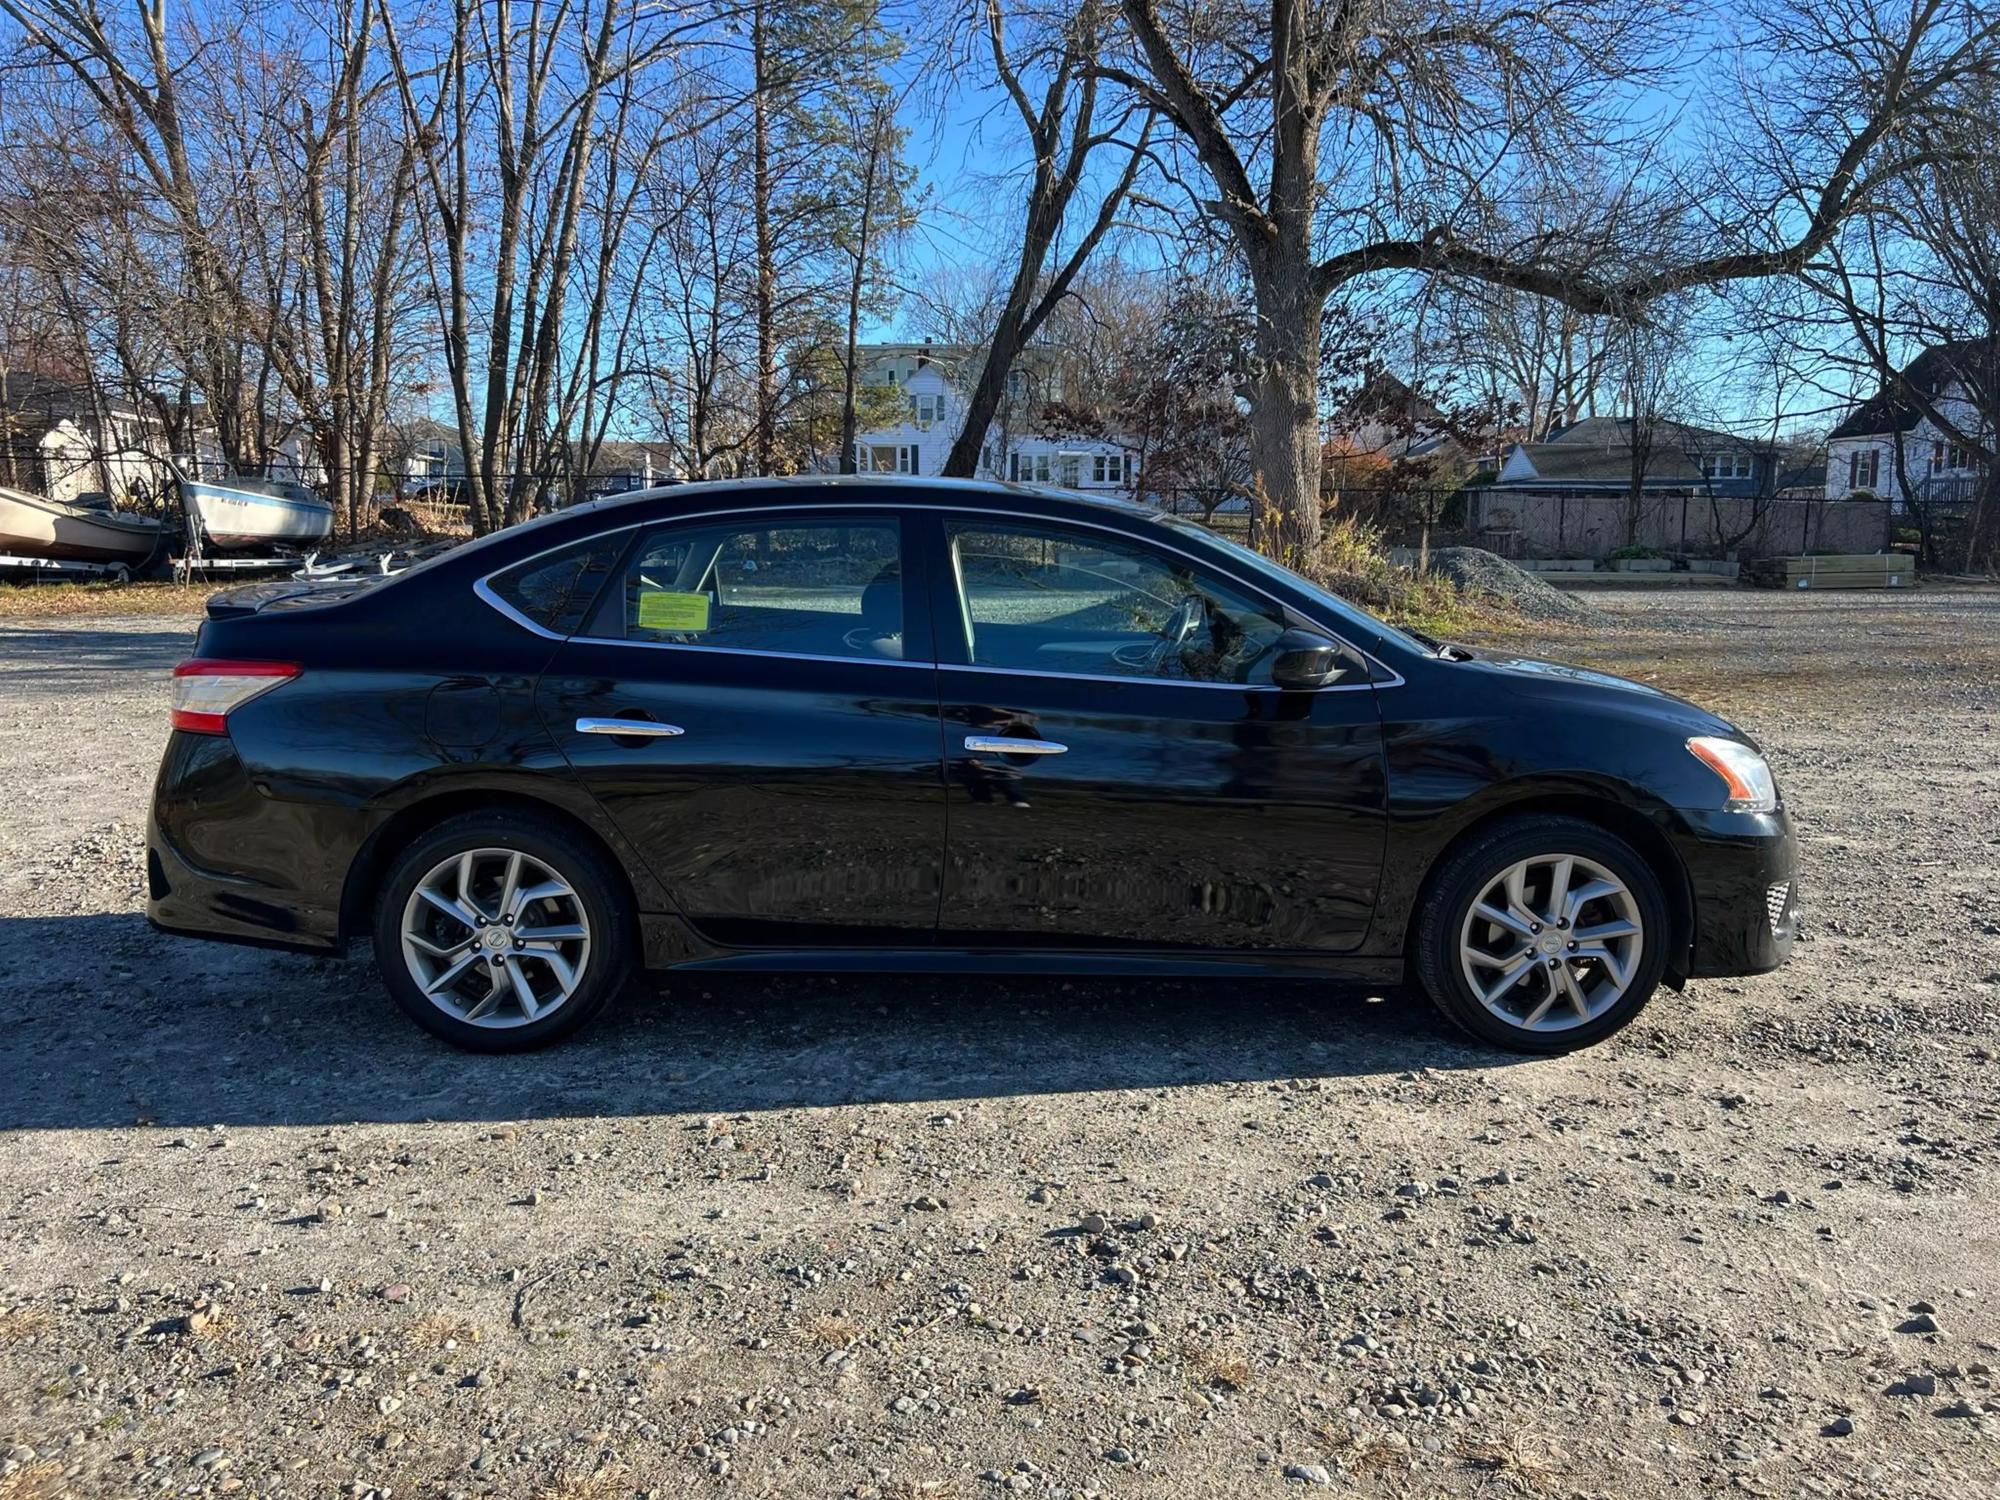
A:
780, 774
1121, 770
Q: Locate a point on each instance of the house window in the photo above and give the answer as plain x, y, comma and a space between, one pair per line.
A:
1109, 468
925, 410
1726, 465
1960, 458
1028, 468
1017, 383
891, 458
1864, 468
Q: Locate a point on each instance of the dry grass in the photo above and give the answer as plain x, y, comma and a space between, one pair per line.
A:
438, 1329
1353, 562
1526, 1464
831, 1330
438, 519
18, 1324
41, 1480
48, 601
609, 1483
1217, 1367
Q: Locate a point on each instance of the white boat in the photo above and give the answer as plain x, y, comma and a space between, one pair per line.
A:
244, 513
35, 526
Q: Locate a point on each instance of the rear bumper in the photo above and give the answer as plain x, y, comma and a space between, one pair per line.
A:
1742, 871
225, 860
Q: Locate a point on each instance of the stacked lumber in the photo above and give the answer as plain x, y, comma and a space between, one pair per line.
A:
1872, 570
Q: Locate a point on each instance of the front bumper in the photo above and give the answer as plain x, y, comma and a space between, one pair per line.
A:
1743, 886
225, 860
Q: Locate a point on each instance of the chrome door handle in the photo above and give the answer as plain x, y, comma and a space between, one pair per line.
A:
647, 729
995, 744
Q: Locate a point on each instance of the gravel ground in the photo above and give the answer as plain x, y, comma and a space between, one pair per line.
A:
896, 1238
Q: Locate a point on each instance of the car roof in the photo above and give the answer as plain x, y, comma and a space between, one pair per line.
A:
798, 486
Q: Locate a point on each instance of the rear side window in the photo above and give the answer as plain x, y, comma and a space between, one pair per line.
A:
817, 588
556, 589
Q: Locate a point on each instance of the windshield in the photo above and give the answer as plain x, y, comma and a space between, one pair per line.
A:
1282, 574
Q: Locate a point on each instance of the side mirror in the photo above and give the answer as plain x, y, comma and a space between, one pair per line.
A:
1306, 659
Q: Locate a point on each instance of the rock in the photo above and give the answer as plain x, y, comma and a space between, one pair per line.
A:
903, 1405
1921, 1323
1915, 1385
1307, 1474
1962, 1409
926, 1204
1092, 1224
1042, 1194
1117, 1456
396, 1291
1839, 1427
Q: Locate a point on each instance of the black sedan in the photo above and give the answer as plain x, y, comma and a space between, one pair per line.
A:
865, 724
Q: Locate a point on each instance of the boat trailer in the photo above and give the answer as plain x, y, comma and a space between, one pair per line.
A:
66, 569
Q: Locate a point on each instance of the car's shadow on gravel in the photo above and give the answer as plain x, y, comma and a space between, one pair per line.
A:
114, 1025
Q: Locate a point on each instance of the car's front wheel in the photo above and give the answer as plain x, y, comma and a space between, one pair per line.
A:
502, 932
1543, 934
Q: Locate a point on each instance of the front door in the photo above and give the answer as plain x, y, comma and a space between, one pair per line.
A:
780, 775
1120, 769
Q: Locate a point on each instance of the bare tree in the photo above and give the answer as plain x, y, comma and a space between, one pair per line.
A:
1065, 127
1345, 141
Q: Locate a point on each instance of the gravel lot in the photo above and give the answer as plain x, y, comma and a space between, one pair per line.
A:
869, 1237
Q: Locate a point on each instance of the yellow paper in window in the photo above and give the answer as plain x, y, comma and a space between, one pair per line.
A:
662, 610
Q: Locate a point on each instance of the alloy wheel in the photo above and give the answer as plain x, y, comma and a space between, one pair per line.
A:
496, 937
1552, 943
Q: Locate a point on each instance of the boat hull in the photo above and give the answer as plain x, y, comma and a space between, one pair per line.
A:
235, 519
32, 526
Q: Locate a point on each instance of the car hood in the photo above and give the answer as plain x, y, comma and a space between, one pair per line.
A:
1586, 687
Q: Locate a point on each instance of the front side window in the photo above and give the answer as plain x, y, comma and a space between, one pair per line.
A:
556, 590
816, 588
1062, 602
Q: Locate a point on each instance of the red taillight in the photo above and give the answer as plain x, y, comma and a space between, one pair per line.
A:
206, 691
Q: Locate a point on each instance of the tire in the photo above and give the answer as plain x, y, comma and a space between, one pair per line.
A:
416, 941
1589, 1005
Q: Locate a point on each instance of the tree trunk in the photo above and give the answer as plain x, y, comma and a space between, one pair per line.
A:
856, 286
764, 448
1284, 410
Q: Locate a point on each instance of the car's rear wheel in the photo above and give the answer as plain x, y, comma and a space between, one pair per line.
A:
1543, 934
502, 932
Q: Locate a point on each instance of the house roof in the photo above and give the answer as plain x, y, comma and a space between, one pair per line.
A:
1385, 397
1582, 464
1892, 409
35, 402
1616, 432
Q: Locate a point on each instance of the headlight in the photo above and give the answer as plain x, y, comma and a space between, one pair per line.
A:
1751, 787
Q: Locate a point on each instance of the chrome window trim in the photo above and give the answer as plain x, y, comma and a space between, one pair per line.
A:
1177, 682
485, 591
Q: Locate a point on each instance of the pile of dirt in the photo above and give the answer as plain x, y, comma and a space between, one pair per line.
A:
1488, 575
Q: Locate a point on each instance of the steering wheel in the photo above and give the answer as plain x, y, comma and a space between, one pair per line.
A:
1187, 618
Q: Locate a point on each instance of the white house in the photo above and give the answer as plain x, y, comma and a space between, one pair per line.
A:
1888, 436
934, 380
